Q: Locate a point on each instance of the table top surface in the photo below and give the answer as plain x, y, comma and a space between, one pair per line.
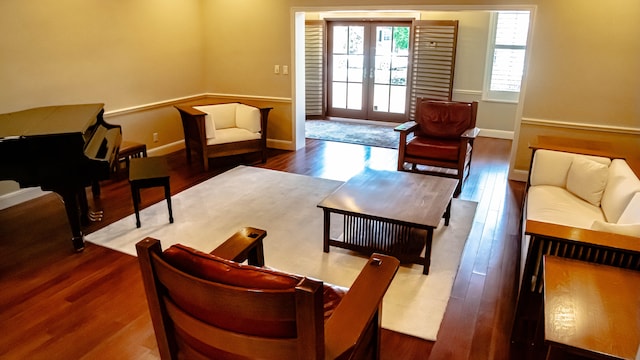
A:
396, 196
592, 308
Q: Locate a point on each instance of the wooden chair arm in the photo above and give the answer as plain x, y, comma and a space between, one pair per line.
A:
359, 306
244, 245
188, 109
407, 127
587, 236
471, 133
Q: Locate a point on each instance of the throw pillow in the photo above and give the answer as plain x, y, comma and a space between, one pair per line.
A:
587, 179
622, 229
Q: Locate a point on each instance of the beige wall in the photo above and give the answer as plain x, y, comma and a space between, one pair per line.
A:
583, 66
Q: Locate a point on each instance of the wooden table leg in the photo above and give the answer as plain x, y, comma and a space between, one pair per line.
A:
327, 226
427, 252
447, 214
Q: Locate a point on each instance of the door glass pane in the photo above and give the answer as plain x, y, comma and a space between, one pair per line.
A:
391, 62
381, 98
347, 67
339, 69
354, 96
340, 39
339, 95
397, 99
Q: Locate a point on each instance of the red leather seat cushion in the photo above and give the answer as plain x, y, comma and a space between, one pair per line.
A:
442, 119
429, 148
213, 268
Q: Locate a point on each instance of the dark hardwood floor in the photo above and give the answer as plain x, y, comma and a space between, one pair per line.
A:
57, 304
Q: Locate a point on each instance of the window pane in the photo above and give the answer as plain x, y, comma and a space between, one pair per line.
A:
382, 71
507, 69
512, 28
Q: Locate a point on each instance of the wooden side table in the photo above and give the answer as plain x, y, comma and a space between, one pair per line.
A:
149, 172
129, 150
590, 310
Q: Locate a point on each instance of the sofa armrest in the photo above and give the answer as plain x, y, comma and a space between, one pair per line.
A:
587, 236
360, 306
246, 244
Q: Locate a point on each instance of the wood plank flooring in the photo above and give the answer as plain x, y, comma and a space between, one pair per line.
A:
57, 304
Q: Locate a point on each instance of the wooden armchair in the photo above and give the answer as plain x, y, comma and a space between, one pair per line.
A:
206, 307
219, 130
444, 132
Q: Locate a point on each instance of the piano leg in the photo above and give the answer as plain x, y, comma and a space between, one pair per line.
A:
74, 206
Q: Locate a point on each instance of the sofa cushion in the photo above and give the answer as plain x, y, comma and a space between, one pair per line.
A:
631, 214
621, 187
556, 205
209, 124
622, 229
552, 167
248, 117
586, 179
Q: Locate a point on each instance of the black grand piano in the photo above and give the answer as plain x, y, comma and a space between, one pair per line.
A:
62, 149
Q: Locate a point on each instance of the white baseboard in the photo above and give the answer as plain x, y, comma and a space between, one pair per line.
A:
498, 134
20, 196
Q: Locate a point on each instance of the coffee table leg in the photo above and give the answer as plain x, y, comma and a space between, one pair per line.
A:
327, 226
427, 252
447, 214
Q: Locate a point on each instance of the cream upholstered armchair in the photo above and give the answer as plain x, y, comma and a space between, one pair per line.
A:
227, 129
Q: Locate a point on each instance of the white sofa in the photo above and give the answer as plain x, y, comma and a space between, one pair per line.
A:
216, 130
577, 206
582, 191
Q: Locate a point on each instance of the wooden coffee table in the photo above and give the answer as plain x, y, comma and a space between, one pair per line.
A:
390, 212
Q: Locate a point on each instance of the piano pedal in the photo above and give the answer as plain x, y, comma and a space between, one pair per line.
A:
96, 215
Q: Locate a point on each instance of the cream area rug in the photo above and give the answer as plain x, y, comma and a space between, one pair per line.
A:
285, 205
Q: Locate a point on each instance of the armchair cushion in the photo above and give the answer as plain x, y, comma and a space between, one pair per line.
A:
441, 149
446, 120
213, 268
621, 187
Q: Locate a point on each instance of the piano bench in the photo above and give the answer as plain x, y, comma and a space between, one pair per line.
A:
128, 151
147, 172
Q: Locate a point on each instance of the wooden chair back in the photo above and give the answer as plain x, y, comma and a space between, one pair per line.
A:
204, 319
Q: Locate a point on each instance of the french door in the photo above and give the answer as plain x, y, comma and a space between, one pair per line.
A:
368, 70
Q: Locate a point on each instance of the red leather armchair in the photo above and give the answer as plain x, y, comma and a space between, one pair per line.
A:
442, 142
206, 307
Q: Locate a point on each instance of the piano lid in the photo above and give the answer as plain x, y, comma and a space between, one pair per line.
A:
60, 119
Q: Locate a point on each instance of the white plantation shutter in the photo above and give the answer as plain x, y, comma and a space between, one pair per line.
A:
314, 81
433, 60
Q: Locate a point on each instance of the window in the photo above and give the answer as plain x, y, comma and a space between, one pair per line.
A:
507, 48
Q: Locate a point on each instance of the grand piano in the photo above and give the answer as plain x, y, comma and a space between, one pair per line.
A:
63, 149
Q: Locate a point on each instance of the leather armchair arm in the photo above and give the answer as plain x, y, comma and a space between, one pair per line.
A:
585, 236
359, 306
406, 127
